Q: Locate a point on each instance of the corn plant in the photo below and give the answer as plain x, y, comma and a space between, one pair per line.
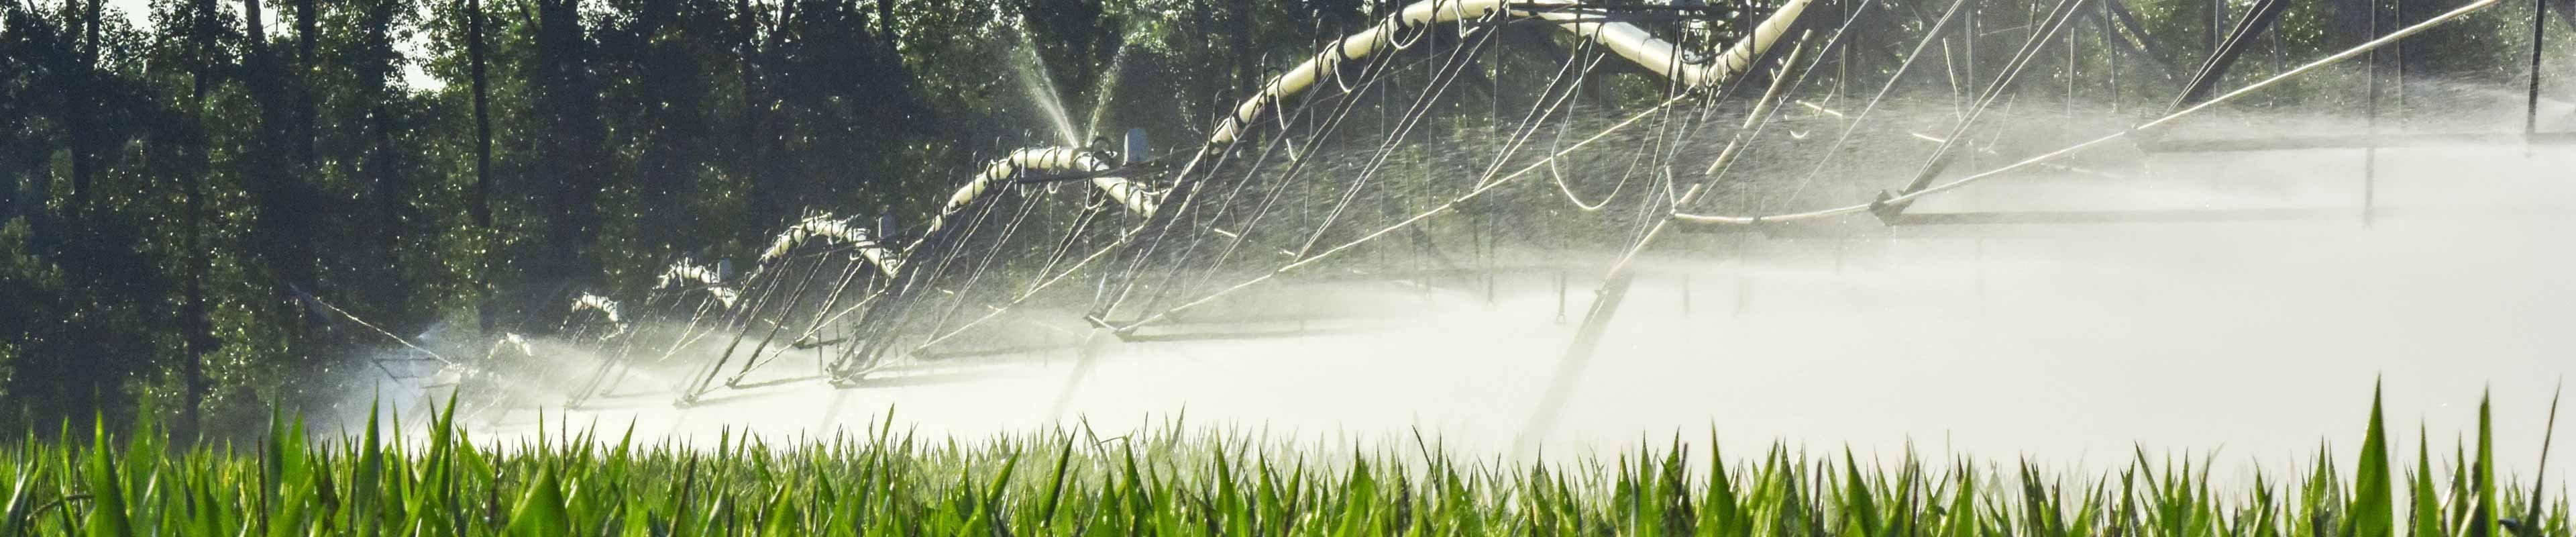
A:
1172, 480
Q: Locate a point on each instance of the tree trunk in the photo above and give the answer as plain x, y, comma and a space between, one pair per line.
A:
384, 160
574, 141
1246, 61
76, 101
661, 175
392, 192
196, 329
885, 27
481, 204
281, 233
258, 28
753, 152
307, 26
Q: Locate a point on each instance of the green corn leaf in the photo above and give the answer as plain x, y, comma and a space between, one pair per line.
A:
1055, 489
21, 500
1964, 521
1856, 497
2482, 515
1721, 509
540, 513
780, 519
107, 512
2427, 500
982, 521
2373, 509
363, 487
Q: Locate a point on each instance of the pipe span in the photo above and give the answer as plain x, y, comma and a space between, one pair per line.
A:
830, 230
1626, 40
1130, 194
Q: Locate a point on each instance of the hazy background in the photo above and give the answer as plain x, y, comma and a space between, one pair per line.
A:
2065, 343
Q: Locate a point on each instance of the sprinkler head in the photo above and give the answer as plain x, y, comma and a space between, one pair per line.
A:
1099, 148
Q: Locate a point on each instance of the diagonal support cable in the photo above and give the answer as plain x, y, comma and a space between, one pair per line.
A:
2258, 19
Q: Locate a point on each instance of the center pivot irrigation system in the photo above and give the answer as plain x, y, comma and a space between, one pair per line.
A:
1362, 161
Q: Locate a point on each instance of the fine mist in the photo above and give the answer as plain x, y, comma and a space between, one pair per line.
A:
2073, 343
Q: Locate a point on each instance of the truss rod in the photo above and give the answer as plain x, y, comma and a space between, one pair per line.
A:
2088, 144
1835, 148
1626, 40
1481, 189
2258, 19
1942, 157
2539, 37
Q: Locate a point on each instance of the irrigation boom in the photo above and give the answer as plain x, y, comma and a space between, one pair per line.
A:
1373, 149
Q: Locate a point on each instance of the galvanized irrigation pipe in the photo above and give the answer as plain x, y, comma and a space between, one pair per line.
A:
825, 227
1021, 162
1855, 209
1626, 40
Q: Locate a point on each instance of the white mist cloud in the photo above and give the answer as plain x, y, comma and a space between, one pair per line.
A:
2069, 343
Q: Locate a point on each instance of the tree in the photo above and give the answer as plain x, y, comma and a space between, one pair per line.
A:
307, 31
79, 328
481, 204
76, 68
196, 327
376, 62
572, 140
482, 207
282, 197
662, 52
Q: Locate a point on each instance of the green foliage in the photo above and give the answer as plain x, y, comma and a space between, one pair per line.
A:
1160, 481
238, 173
321, 160
2373, 510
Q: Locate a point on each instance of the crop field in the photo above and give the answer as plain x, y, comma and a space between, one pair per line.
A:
1174, 479
680, 268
